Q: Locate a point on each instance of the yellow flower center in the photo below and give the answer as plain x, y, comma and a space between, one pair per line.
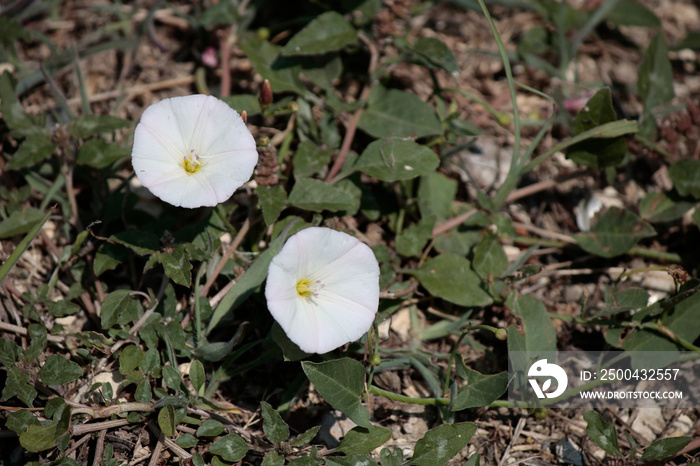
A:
306, 288
191, 163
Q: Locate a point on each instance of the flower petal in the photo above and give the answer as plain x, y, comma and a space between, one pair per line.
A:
343, 306
193, 126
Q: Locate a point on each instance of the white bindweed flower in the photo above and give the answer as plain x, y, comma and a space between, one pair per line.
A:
323, 289
193, 151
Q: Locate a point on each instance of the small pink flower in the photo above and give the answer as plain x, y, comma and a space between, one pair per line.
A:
209, 57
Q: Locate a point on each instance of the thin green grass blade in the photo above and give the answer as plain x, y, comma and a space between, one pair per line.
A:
515, 161
84, 99
512, 180
22, 246
608, 130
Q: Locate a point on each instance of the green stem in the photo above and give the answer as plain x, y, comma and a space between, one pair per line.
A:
659, 268
197, 312
659, 255
453, 353
668, 333
407, 399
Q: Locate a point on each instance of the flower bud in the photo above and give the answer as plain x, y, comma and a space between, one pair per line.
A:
244, 116
265, 97
501, 334
209, 57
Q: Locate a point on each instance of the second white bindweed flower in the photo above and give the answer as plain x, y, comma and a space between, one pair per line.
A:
193, 151
323, 289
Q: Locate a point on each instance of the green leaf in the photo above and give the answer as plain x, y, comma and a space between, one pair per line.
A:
303, 461
62, 308
84, 126
481, 390
323, 70
352, 460
197, 375
19, 421
391, 112
19, 122
17, 384
665, 207
177, 265
253, 277
283, 73
440, 444
436, 192
391, 457
655, 75
100, 154
305, 438
8, 353
315, 195
37, 334
272, 200
58, 370
143, 392
186, 441
617, 301
172, 378
210, 428
272, 458
24, 243
410, 242
685, 175
614, 232
243, 102
665, 448
341, 383
138, 241
276, 430
363, 440
396, 159
690, 41
108, 257
681, 319
450, 277
435, 53
539, 333
350, 187
166, 420
597, 152
38, 438
130, 358
216, 351
230, 447
632, 13
309, 159
326, 33
489, 257
602, 433
222, 13
34, 149
12, 31
21, 221
116, 303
